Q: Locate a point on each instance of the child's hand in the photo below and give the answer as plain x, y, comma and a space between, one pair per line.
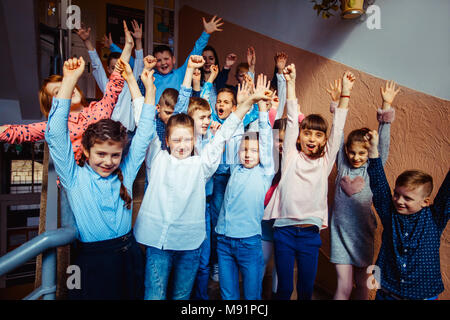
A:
195, 62
73, 68
213, 25
149, 83
280, 61
251, 58
197, 75
149, 62
107, 41
263, 90
84, 33
137, 34
214, 126
348, 80
214, 72
372, 143
230, 60
243, 92
128, 37
124, 69
335, 90
249, 81
388, 92
290, 73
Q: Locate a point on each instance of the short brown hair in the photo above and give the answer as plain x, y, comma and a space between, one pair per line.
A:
179, 120
228, 90
196, 103
242, 65
169, 98
413, 179
45, 98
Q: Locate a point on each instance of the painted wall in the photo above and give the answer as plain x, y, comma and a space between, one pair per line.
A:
412, 47
419, 134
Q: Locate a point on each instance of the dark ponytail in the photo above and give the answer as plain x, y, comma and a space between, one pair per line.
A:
101, 131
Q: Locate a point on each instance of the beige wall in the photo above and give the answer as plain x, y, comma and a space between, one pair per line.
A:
419, 134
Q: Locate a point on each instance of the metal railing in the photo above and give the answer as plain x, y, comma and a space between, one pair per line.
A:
45, 243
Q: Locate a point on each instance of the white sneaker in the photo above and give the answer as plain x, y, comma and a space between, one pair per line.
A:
215, 272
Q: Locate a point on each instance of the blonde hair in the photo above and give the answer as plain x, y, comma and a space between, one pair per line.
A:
196, 104
45, 98
413, 179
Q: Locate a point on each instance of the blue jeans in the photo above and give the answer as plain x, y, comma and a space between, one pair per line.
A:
301, 244
200, 291
240, 255
220, 184
181, 266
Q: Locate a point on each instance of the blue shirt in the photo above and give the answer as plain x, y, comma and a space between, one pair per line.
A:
99, 212
243, 205
409, 256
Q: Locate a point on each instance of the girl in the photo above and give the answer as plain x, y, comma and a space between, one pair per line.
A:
81, 114
99, 191
353, 223
171, 220
300, 203
212, 59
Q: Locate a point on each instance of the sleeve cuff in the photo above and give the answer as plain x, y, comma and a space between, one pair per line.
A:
333, 106
386, 116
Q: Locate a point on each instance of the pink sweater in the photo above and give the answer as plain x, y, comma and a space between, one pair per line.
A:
302, 191
78, 122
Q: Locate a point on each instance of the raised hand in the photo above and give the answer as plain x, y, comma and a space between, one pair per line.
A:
149, 62
73, 68
389, 92
348, 80
124, 69
290, 73
128, 37
195, 62
213, 25
263, 88
335, 90
230, 60
137, 28
243, 92
107, 41
372, 140
214, 72
280, 61
149, 83
83, 33
214, 126
249, 81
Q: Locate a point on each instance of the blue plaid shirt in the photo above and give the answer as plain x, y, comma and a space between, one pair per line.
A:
409, 256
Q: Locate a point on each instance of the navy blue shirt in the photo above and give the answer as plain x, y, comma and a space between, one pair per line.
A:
409, 255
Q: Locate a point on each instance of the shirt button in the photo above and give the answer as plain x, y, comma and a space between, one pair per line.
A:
406, 250
404, 265
402, 280
406, 234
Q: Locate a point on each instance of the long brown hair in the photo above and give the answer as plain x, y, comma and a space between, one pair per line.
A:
45, 98
101, 131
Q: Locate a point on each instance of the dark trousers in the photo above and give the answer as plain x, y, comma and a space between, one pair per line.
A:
296, 244
110, 270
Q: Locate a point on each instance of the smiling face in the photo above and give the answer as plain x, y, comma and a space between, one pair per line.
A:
202, 119
249, 153
52, 89
104, 157
311, 141
180, 141
210, 60
165, 62
408, 200
224, 105
357, 154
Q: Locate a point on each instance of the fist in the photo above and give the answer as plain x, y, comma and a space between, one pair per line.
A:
149, 62
290, 72
196, 62
74, 67
230, 60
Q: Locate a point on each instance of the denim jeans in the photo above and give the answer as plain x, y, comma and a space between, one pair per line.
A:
200, 291
242, 255
181, 266
220, 184
301, 244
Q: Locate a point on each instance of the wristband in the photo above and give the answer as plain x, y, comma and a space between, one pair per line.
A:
345, 96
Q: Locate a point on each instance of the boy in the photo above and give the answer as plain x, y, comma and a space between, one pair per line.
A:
409, 255
238, 229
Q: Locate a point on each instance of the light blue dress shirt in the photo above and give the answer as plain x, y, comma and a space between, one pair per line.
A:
99, 212
243, 205
172, 213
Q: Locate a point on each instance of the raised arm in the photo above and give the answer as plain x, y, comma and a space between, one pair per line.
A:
195, 62
385, 116
280, 63
57, 132
23, 133
441, 205
292, 127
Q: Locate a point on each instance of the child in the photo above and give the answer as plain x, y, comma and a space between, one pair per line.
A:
300, 207
123, 111
165, 75
99, 191
353, 223
408, 262
238, 227
81, 114
171, 220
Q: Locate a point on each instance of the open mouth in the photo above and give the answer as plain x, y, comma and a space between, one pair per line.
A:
220, 112
311, 147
